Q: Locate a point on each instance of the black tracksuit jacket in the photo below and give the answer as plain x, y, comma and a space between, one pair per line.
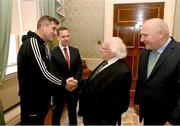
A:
35, 74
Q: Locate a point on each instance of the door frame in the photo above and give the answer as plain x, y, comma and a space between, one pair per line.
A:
169, 10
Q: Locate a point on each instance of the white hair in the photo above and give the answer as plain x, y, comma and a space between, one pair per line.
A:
117, 47
159, 23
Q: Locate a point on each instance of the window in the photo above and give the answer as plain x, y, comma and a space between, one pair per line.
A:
12, 56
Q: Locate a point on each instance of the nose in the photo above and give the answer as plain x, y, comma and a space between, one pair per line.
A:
142, 39
66, 38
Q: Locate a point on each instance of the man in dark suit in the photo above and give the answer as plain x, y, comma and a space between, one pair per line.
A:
67, 63
157, 96
105, 95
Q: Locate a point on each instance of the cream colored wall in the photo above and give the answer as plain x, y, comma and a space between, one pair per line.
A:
176, 30
85, 19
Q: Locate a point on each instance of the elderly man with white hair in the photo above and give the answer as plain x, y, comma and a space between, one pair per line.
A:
105, 95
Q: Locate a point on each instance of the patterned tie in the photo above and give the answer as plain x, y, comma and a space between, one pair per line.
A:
153, 57
99, 68
67, 57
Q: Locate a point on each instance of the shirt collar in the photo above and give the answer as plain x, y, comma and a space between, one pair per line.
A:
113, 60
160, 50
62, 47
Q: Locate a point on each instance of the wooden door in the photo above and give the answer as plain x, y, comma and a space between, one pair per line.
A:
128, 20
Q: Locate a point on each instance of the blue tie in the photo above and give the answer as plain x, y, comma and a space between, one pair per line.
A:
153, 57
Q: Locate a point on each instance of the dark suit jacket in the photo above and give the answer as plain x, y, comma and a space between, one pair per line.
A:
106, 96
160, 93
61, 67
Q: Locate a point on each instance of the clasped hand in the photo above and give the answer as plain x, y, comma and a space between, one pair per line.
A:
71, 84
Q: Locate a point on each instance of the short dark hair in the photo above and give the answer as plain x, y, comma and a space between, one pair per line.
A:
61, 29
46, 19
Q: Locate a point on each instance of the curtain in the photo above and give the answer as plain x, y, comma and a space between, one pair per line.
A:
2, 122
5, 29
54, 8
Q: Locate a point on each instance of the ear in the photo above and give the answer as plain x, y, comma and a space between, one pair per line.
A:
161, 33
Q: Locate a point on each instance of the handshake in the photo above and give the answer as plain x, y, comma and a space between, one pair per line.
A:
71, 84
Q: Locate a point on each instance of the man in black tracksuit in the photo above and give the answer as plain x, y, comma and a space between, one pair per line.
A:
35, 73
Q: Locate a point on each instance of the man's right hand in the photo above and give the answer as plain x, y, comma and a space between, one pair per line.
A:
71, 84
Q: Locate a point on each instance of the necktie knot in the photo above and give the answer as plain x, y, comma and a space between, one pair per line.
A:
65, 49
155, 53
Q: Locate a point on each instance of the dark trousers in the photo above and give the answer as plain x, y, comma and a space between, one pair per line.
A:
33, 113
59, 102
156, 116
154, 120
33, 119
57, 109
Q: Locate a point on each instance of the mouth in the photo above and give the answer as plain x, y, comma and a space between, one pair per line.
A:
143, 43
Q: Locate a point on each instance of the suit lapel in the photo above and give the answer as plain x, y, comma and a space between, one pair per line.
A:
71, 55
144, 63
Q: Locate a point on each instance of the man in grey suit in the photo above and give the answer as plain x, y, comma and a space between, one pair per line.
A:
157, 96
105, 95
